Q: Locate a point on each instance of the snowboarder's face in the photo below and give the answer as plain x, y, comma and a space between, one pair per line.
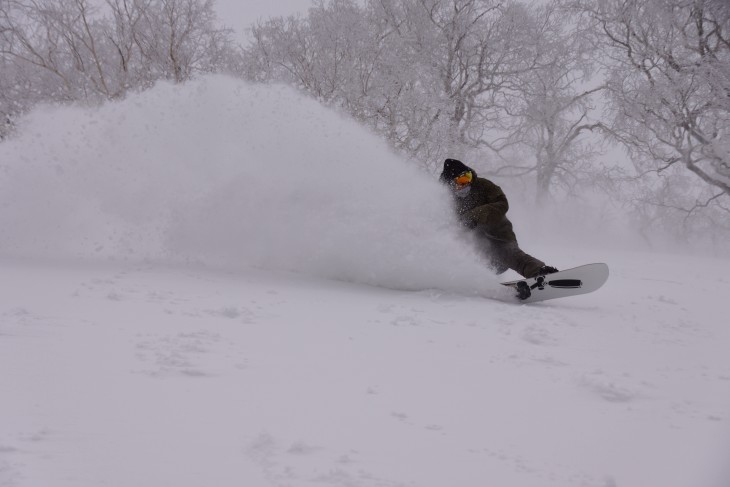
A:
462, 180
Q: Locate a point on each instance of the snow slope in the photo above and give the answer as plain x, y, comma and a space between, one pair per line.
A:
142, 375
225, 285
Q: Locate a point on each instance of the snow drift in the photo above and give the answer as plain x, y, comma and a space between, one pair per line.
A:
232, 175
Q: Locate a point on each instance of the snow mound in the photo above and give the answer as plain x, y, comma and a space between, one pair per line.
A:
231, 175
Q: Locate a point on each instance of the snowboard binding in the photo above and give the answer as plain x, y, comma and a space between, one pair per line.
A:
523, 290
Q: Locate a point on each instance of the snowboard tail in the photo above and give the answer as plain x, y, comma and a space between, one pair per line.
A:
569, 282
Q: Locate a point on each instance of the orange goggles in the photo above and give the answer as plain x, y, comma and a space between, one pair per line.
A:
464, 178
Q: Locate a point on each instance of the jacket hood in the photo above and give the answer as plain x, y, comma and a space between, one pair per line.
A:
452, 168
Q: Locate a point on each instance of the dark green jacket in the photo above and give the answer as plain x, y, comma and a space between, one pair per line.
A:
485, 210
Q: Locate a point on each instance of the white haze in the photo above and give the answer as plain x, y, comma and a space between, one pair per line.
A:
232, 175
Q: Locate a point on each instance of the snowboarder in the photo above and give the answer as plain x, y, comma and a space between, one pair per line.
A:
482, 207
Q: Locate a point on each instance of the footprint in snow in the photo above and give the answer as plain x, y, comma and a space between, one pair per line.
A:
282, 465
608, 390
179, 354
538, 336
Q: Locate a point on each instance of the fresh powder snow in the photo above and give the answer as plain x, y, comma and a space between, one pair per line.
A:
221, 284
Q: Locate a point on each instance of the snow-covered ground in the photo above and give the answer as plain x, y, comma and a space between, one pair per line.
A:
224, 285
142, 375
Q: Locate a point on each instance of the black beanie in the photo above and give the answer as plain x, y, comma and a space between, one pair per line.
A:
452, 168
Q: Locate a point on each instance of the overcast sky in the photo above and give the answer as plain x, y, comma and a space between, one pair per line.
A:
239, 14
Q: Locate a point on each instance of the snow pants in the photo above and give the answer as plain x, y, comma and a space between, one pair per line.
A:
508, 255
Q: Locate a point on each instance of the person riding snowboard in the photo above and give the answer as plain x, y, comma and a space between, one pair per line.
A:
482, 207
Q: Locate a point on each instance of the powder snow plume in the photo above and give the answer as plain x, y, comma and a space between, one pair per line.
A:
231, 175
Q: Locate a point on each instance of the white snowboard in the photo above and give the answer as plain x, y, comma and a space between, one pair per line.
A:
569, 282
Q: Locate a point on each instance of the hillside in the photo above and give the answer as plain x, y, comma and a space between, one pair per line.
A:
222, 285
143, 375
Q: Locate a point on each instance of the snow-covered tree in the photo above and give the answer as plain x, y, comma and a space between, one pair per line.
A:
175, 38
668, 72
473, 53
61, 46
430, 75
317, 53
65, 50
555, 106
